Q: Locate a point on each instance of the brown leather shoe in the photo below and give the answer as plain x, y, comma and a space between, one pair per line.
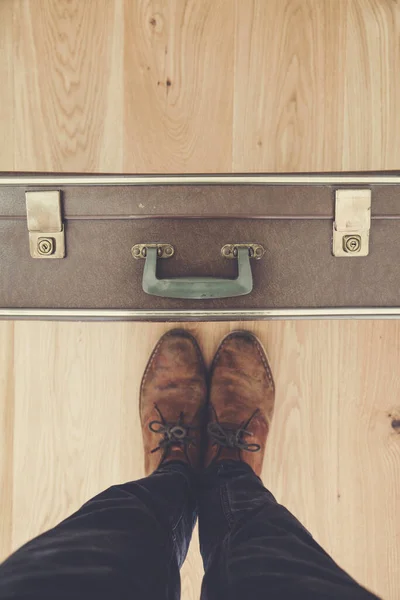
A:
242, 398
173, 396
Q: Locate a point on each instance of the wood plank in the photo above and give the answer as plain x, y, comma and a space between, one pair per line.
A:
369, 466
334, 455
7, 86
179, 58
6, 436
70, 412
368, 89
314, 85
305, 369
68, 82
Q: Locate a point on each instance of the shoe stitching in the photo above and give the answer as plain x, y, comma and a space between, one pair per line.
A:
155, 352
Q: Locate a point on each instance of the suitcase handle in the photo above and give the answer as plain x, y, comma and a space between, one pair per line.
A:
198, 288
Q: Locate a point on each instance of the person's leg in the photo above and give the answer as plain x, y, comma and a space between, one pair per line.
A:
129, 541
252, 547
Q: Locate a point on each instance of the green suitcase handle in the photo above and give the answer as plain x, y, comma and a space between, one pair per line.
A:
198, 288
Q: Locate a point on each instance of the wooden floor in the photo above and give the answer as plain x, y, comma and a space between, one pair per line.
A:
210, 86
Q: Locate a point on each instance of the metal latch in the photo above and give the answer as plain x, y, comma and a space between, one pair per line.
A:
352, 223
231, 250
46, 229
228, 251
163, 250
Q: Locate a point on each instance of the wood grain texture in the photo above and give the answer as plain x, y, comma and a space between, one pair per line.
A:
68, 85
6, 437
369, 404
178, 67
333, 436
254, 85
315, 85
7, 99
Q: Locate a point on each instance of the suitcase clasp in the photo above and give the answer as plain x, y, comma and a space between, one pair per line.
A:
45, 226
352, 223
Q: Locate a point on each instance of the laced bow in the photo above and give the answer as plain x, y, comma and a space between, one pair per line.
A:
173, 433
232, 437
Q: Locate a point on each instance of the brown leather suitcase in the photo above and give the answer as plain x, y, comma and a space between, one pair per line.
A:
170, 247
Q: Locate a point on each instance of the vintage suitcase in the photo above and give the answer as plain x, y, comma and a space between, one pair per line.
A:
199, 247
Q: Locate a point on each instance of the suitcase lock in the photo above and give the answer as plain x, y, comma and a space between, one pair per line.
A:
45, 226
352, 223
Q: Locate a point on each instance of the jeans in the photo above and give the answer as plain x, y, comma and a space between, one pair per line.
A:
130, 541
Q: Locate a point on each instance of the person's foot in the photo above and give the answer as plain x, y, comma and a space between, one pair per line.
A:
173, 396
242, 398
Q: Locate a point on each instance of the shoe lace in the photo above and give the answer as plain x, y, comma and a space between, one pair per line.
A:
232, 437
173, 433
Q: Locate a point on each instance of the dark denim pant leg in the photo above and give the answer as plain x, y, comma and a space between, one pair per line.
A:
253, 547
127, 542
